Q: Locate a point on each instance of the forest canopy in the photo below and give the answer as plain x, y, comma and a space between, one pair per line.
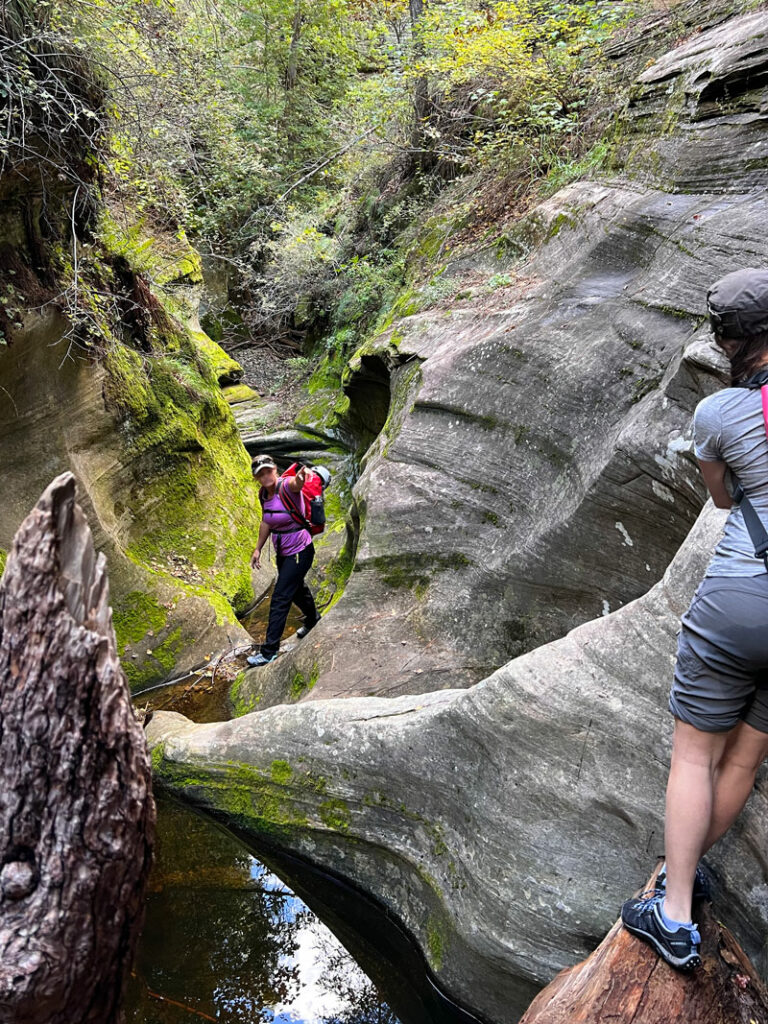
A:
300, 140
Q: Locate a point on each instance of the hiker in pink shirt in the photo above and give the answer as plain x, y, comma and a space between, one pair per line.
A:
294, 551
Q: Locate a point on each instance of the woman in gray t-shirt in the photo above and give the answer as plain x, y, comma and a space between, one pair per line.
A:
720, 691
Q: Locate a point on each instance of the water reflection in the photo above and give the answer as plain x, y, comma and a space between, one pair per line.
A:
224, 940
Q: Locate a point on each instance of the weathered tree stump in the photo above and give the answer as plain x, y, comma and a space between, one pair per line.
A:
624, 981
76, 809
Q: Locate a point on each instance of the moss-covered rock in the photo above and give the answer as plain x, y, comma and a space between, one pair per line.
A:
241, 704
237, 393
141, 421
163, 256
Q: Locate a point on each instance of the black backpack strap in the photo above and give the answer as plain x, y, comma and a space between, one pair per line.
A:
299, 521
291, 505
757, 532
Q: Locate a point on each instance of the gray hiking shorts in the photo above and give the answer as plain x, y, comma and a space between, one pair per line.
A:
721, 675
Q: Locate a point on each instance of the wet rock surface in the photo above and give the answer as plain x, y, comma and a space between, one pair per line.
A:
160, 470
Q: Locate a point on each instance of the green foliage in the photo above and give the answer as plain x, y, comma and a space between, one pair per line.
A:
506, 83
51, 97
303, 140
217, 107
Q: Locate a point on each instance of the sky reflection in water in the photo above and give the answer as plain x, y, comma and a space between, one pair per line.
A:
225, 941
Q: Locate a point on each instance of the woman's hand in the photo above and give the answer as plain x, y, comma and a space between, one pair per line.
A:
256, 558
297, 482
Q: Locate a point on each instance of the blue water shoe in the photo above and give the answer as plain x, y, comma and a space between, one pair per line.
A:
258, 659
680, 948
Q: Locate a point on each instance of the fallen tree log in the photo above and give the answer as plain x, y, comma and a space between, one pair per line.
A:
624, 981
76, 809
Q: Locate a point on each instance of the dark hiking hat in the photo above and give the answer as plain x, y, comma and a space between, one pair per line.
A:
260, 462
738, 303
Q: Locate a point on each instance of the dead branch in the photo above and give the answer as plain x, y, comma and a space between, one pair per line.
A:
76, 809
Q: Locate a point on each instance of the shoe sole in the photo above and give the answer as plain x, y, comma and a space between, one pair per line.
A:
687, 964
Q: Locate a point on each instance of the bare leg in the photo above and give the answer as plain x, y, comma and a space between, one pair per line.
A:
745, 750
690, 792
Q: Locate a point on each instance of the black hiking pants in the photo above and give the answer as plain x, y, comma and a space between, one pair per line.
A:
290, 588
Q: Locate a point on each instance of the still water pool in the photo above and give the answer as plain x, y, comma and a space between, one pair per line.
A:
225, 940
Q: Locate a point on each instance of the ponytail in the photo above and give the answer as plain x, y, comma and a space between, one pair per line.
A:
746, 355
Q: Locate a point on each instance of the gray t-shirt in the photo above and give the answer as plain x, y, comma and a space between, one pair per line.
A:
729, 427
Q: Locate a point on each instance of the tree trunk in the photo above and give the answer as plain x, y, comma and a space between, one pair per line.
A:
624, 982
422, 157
292, 68
76, 809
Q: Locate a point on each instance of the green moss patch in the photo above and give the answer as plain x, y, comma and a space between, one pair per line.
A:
412, 571
165, 259
335, 814
336, 575
3, 560
158, 662
435, 944
252, 798
135, 615
281, 772
301, 684
241, 705
193, 502
194, 505
238, 393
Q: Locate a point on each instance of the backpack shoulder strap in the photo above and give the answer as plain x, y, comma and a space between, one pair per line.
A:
757, 532
291, 505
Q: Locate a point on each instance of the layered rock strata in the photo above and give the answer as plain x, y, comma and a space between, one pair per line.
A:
503, 824
140, 419
534, 467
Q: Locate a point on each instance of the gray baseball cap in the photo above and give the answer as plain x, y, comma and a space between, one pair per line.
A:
738, 303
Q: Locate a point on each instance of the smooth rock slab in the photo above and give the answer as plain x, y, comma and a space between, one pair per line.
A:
535, 469
503, 824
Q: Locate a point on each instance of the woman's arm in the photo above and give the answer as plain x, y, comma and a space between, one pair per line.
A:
714, 478
264, 531
297, 482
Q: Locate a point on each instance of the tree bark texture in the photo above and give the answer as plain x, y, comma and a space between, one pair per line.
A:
624, 982
292, 69
76, 809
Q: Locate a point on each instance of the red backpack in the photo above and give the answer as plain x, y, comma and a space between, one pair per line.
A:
310, 512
